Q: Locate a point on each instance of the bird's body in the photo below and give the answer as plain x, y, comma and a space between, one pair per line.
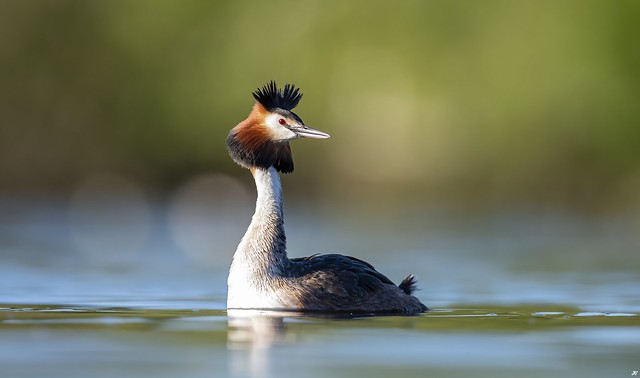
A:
262, 276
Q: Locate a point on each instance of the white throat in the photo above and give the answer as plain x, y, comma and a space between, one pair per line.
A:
261, 255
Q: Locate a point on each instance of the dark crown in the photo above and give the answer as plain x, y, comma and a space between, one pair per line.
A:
271, 97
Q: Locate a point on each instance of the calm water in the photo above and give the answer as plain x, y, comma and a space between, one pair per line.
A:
512, 296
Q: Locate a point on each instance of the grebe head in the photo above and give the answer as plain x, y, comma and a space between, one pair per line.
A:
262, 140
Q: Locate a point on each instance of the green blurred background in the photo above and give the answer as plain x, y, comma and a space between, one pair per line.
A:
477, 104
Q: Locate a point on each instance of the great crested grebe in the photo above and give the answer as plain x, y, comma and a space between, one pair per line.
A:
261, 274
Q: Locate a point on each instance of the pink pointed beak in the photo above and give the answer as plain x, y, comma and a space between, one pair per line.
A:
303, 131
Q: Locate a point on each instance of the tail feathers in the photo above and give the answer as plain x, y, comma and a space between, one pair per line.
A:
409, 284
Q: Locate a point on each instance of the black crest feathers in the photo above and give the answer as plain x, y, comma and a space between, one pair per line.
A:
271, 97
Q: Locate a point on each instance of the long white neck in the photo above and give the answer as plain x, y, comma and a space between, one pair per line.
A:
261, 254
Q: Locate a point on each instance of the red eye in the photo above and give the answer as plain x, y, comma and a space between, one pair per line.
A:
282, 121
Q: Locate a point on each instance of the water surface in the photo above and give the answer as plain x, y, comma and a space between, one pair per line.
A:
511, 296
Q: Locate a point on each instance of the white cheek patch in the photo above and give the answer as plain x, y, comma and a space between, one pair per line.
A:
278, 132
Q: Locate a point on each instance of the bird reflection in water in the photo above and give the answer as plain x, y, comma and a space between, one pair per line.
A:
252, 334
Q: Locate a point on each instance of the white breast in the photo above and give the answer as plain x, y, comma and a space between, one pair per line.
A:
244, 293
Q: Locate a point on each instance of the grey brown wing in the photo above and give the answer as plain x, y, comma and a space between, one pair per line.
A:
339, 280
337, 262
